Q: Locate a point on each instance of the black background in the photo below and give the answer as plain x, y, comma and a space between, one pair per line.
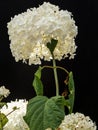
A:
18, 77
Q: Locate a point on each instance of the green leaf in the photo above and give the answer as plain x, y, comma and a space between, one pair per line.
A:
70, 101
35, 112
51, 45
38, 72
37, 83
3, 120
54, 112
45, 113
71, 87
2, 104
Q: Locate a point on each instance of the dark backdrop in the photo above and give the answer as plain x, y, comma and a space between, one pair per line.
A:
18, 77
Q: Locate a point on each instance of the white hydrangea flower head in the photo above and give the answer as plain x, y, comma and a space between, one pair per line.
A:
4, 92
29, 33
16, 121
77, 121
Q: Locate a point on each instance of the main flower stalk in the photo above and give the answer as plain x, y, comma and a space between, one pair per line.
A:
56, 77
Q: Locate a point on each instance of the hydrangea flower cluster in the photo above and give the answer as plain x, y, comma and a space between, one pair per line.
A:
29, 33
4, 92
77, 121
15, 118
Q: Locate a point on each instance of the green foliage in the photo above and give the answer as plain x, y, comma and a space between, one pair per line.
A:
54, 112
51, 45
37, 83
43, 113
34, 114
2, 104
3, 120
70, 101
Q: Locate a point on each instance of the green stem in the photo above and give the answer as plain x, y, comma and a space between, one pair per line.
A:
56, 77
57, 67
12, 111
54, 67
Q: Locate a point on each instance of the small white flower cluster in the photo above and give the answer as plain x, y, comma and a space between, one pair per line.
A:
29, 33
4, 92
15, 118
77, 121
